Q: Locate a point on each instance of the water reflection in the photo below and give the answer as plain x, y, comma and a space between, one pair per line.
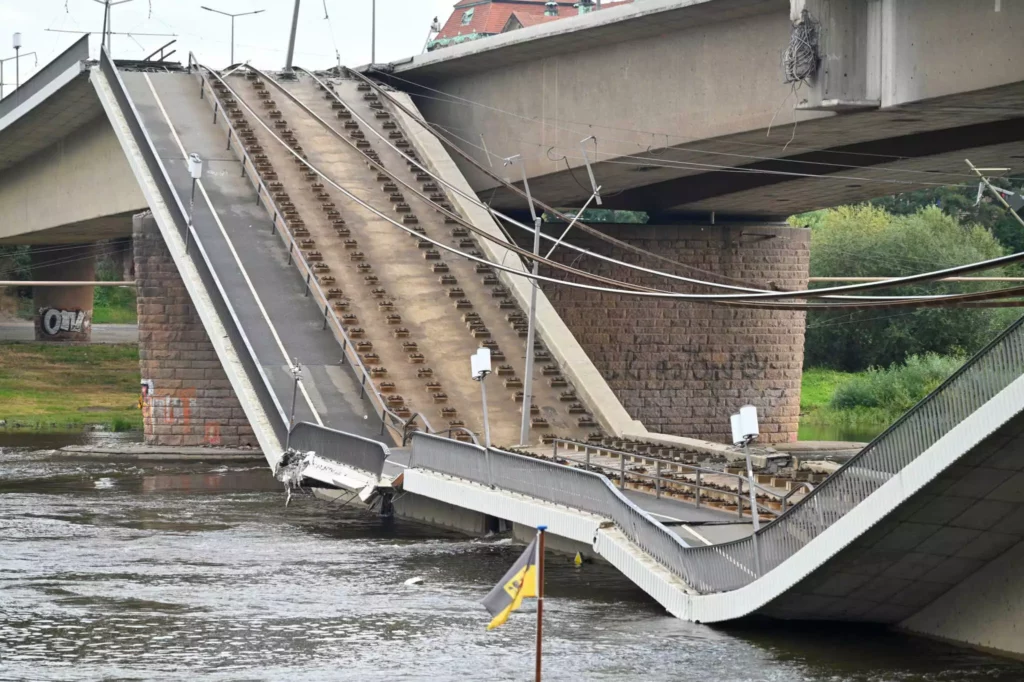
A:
181, 571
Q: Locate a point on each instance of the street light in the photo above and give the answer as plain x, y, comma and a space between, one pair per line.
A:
17, 61
373, 32
744, 431
481, 366
195, 170
232, 16
16, 58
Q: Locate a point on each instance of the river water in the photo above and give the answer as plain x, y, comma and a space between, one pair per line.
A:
198, 571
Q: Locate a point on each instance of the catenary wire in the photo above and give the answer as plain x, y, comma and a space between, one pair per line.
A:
729, 299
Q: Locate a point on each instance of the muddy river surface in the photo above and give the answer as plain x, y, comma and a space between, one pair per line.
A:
198, 572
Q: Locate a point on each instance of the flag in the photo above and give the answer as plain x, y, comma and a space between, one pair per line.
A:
518, 583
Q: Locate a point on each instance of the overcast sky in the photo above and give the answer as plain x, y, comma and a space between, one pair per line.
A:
402, 27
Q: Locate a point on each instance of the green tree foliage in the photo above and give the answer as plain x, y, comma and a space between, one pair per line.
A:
867, 241
961, 202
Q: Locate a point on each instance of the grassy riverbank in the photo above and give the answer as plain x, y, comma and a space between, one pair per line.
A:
58, 388
867, 402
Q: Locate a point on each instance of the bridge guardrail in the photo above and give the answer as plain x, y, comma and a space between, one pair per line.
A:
345, 448
246, 355
729, 566
544, 480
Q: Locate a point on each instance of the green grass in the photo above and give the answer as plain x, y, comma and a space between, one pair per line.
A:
57, 387
863, 404
114, 305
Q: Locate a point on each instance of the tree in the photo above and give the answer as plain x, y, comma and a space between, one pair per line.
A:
867, 241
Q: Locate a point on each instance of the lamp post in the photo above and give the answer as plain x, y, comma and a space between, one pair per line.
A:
17, 62
744, 431
480, 363
232, 16
373, 32
13, 59
195, 170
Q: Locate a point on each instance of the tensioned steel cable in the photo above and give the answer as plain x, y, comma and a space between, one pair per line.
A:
597, 233
530, 255
728, 299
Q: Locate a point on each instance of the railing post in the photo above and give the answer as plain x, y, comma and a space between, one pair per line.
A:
554, 448
259, 190
622, 472
306, 291
697, 489
344, 349
229, 147
290, 244
657, 479
362, 386
327, 309
244, 156
216, 106
586, 455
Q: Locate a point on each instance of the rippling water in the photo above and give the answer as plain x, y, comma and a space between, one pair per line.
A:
172, 572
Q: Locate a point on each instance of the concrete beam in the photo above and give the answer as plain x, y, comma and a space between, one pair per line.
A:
78, 183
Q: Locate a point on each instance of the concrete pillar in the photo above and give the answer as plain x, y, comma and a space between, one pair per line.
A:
683, 368
187, 398
63, 314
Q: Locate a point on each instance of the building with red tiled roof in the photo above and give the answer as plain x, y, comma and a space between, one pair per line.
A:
473, 19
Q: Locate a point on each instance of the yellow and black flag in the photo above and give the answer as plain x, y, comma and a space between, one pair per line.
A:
519, 583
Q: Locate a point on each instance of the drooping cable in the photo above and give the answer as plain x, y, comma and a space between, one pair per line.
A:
475, 200
727, 299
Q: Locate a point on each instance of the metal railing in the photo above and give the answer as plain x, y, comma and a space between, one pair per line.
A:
550, 482
729, 566
345, 448
663, 482
218, 297
388, 418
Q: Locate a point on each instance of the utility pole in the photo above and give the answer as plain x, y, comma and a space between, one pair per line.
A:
373, 32
107, 5
291, 40
524, 429
232, 16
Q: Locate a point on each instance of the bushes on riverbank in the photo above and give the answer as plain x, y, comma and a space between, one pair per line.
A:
875, 397
865, 241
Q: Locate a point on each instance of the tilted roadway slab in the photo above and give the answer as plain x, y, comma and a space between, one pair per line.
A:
427, 310
248, 258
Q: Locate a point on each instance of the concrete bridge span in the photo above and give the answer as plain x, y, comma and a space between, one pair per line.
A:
232, 295
687, 101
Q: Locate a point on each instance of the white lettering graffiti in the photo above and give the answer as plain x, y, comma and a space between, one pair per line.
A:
55, 321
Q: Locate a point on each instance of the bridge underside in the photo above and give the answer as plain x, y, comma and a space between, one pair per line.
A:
691, 115
953, 529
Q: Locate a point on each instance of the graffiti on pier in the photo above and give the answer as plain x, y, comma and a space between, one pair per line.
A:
54, 321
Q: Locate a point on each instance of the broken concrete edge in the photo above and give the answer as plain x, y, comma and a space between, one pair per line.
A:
590, 385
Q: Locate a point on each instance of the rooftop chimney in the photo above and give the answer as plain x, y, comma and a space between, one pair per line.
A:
551, 8
584, 6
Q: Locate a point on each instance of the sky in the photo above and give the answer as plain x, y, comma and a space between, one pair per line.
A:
402, 27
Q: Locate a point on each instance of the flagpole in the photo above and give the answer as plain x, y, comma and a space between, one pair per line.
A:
540, 593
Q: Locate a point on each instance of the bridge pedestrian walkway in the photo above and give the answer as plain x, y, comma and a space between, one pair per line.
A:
248, 257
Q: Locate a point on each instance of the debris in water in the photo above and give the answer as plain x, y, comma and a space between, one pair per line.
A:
289, 471
414, 581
